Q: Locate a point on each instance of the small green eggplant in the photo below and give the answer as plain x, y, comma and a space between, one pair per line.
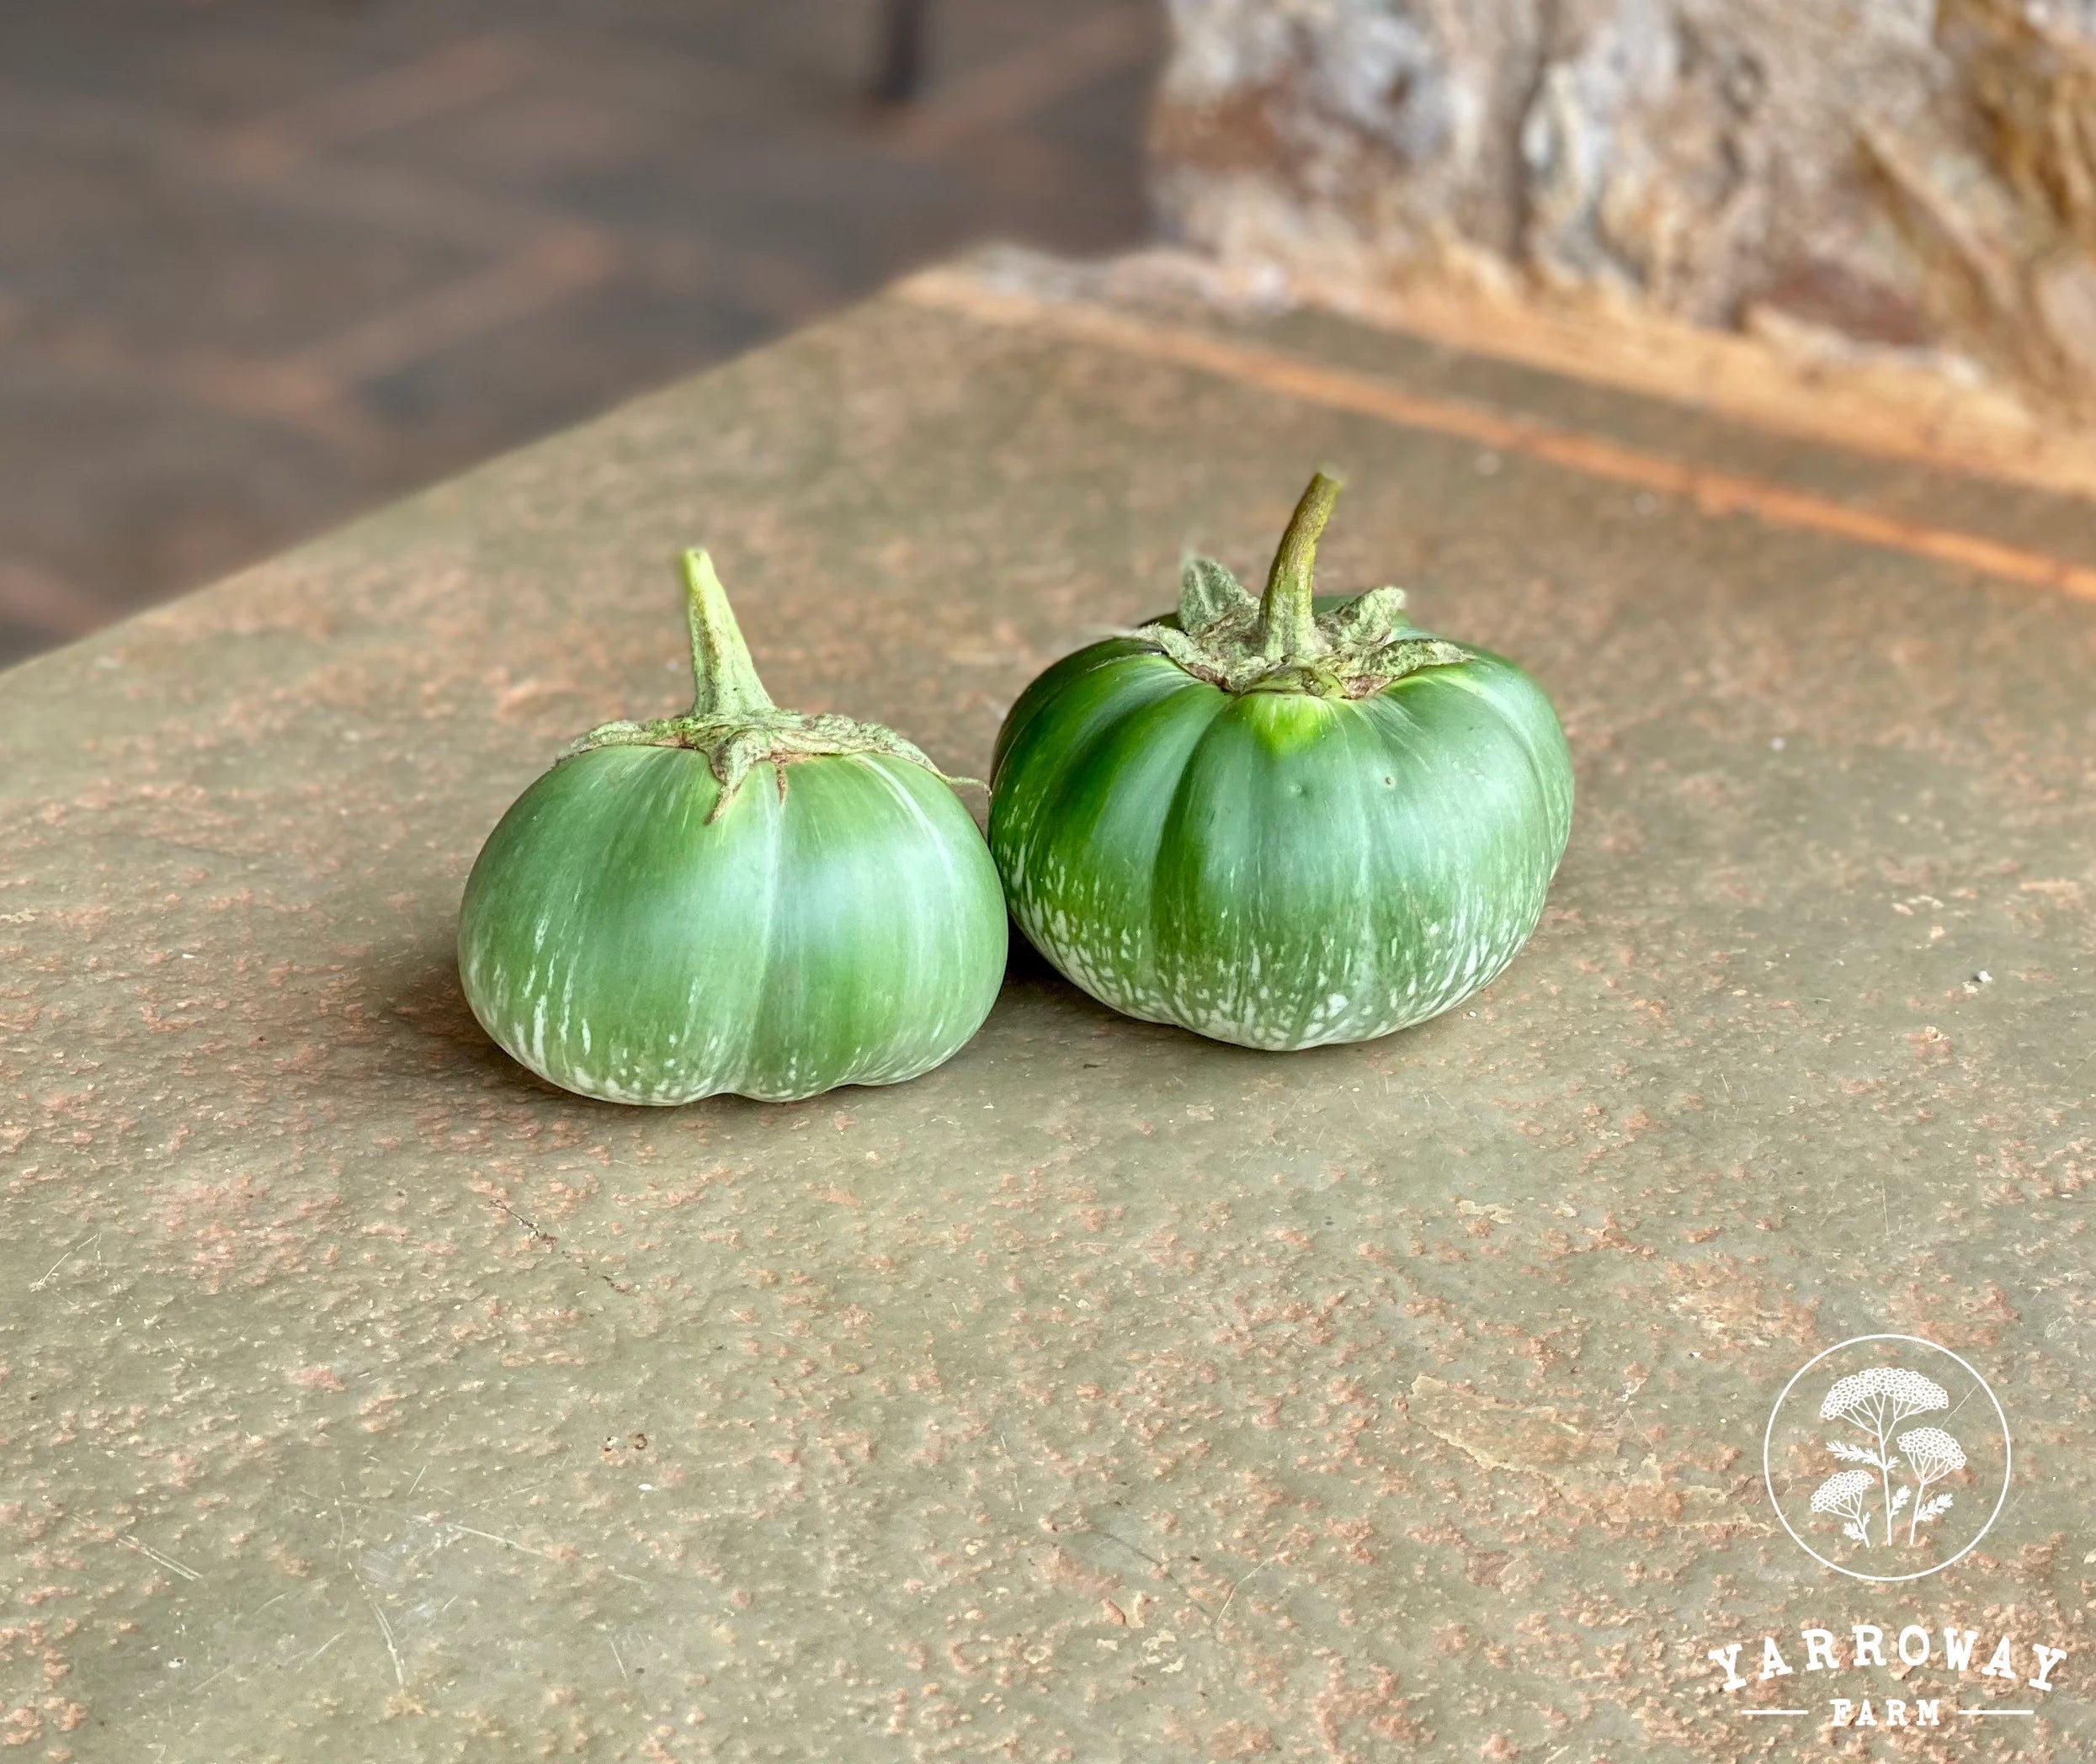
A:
1280, 823
742, 899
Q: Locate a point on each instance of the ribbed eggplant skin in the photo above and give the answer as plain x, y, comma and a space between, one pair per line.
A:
847, 929
1274, 868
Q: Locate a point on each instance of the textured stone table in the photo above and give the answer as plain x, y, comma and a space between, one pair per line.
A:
1106, 1394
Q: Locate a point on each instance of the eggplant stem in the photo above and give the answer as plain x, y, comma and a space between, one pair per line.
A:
724, 679
1287, 616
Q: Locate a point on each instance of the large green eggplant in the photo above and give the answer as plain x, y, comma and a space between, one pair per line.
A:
742, 899
1284, 821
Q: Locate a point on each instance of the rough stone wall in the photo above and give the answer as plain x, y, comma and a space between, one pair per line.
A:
1895, 173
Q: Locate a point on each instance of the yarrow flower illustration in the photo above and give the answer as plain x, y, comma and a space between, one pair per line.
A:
1845, 1493
1876, 1400
1932, 1454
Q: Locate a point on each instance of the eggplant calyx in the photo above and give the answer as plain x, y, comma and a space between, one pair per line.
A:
732, 720
1279, 642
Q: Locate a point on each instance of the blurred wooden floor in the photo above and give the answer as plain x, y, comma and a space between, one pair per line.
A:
266, 263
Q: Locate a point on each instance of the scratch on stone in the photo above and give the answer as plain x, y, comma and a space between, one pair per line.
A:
38, 1284
493, 1537
392, 1648
1584, 1465
165, 1561
1237, 1586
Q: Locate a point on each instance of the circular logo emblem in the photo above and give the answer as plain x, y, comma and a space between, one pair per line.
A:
1886, 1458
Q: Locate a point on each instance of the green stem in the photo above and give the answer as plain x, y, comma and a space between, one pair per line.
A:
1287, 624
725, 682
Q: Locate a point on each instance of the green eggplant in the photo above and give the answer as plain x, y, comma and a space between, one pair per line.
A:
1281, 821
741, 899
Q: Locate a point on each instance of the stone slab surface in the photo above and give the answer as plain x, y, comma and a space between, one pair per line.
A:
1106, 1394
